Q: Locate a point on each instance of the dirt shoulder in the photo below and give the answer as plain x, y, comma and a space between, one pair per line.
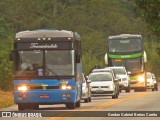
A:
6, 99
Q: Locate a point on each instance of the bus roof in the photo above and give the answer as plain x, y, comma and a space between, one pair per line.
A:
47, 33
125, 36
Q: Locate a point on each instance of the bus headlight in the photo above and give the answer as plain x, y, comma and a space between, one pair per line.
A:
22, 88
66, 87
140, 78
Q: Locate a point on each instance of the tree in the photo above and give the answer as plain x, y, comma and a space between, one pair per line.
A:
151, 13
5, 47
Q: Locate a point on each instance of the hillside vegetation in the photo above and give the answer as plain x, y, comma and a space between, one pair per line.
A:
94, 20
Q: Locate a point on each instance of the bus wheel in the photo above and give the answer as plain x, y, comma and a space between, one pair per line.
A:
127, 89
156, 88
71, 105
35, 106
23, 106
144, 89
136, 90
78, 104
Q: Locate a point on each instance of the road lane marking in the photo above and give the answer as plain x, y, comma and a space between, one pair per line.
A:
115, 101
122, 100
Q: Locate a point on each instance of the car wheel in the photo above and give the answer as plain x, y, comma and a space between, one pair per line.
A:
114, 96
120, 90
86, 100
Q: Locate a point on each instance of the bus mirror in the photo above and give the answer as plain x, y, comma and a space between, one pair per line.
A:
88, 81
11, 55
78, 58
145, 57
106, 58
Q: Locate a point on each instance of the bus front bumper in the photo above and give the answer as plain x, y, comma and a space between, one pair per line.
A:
137, 84
45, 97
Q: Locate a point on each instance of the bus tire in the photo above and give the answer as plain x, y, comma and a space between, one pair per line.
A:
136, 90
156, 88
21, 106
144, 89
90, 99
78, 104
35, 106
71, 105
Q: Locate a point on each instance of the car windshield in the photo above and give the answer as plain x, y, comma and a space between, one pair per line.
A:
125, 45
48, 63
100, 77
119, 71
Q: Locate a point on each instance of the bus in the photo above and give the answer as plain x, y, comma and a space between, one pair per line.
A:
47, 68
127, 50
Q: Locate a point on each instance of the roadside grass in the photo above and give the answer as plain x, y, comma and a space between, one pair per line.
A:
6, 99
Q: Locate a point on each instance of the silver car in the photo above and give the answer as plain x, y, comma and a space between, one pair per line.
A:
86, 89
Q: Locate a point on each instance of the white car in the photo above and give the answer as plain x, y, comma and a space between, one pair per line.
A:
150, 81
121, 72
103, 83
86, 89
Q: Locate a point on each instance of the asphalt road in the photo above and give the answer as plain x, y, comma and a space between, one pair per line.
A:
101, 106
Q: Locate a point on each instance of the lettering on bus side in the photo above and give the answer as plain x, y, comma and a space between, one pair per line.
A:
125, 56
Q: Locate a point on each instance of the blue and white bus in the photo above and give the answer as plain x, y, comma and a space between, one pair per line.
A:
47, 68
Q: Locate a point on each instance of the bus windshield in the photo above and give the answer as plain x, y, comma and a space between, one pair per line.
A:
125, 45
45, 62
134, 65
